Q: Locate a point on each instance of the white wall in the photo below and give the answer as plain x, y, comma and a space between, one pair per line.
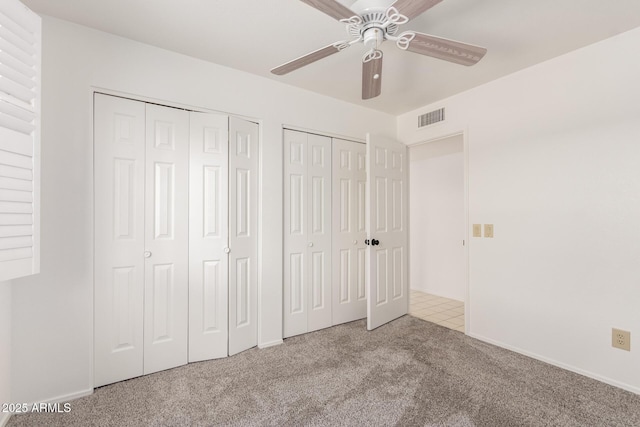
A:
554, 163
436, 195
5, 346
52, 312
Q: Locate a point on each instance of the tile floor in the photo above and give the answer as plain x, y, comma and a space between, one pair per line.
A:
442, 311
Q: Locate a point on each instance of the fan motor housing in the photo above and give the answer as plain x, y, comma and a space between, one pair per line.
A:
373, 37
373, 14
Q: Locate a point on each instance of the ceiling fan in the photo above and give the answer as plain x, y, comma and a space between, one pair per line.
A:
374, 21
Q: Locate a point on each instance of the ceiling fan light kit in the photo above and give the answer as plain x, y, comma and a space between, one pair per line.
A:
371, 22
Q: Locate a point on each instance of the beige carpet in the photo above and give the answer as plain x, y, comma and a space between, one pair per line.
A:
409, 373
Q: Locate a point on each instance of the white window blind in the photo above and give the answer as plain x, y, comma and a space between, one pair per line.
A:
20, 53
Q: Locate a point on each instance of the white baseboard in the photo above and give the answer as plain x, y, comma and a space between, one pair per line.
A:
270, 343
70, 396
553, 362
4, 418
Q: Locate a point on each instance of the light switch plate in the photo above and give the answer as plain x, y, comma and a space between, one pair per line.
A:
477, 230
488, 230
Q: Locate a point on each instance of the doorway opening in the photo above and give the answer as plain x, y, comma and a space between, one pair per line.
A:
438, 232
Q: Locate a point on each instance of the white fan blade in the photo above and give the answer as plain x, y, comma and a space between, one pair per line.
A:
413, 8
372, 77
309, 58
332, 8
449, 50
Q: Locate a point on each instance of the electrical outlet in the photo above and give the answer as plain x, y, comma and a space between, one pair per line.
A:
488, 230
621, 339
477, 230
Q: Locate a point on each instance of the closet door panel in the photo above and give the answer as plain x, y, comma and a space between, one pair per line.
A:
296, 232
349, 189
243, 235
208, 236
360, 219
343, 194
318, 280
119, 238
166, 238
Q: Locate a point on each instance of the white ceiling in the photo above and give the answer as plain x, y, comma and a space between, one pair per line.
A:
257, 35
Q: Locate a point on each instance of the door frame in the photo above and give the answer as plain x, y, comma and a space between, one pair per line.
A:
464, 132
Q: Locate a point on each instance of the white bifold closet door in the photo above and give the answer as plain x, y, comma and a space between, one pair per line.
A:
208, 237
223, 224
307, 227
243, 235
119, 128
141, 237
350, 259
176, 221
166, 306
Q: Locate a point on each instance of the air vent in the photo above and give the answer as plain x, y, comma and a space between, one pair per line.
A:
433, 117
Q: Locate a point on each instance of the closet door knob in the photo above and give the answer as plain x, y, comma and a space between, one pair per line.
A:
147, 254
366, 242
355, 242
310, 244
375, 242
227, 250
